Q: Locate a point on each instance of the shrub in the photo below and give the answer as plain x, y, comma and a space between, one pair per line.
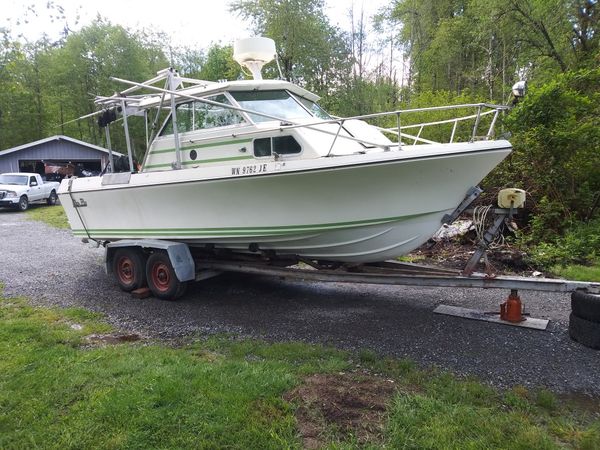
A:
556, 158
579, 244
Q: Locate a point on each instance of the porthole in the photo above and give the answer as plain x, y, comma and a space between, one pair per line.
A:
193, 155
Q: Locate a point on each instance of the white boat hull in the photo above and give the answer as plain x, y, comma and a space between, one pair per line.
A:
358, 208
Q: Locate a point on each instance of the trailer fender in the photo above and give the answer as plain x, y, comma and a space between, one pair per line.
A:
179, 255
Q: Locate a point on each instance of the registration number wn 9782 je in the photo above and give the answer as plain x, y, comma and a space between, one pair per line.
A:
249, 170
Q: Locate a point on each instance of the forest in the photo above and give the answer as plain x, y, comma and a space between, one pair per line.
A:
450, 52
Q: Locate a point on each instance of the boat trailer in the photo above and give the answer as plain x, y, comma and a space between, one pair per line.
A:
190, 265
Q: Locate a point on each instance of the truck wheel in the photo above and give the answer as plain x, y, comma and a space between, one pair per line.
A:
51, 200
584, 331
162, 279
586, 305
129, 268
23, 203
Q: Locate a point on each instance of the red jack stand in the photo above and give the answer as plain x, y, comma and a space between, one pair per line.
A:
512, 309
511, 313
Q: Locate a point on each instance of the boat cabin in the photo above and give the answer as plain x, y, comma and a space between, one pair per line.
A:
246, 120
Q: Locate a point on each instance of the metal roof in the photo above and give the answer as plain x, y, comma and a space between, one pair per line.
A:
55, 138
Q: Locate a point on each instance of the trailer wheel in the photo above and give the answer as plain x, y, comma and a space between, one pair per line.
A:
162, 280
584, 331
129, 268
586, 305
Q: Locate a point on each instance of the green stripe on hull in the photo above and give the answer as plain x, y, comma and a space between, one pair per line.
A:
200, 161
240, 231
197, 146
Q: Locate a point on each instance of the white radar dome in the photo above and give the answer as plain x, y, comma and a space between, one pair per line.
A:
254, 53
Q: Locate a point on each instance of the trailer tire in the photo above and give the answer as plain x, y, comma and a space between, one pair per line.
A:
129, 268
162, 280
586, 306
584, 331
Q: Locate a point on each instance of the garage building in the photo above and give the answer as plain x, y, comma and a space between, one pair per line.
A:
55, 157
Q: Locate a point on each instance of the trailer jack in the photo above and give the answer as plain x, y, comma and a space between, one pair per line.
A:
512, 309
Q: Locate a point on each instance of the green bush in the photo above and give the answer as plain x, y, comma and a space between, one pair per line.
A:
578, 244
556, 158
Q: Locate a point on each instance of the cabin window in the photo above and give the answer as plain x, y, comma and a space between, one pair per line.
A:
315, 109
282, 145
192, 116
278, 104
185, 117
211, 116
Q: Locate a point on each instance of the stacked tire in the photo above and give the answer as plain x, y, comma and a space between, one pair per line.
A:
584, 321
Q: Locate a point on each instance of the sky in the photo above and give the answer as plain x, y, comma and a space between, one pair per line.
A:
189, 23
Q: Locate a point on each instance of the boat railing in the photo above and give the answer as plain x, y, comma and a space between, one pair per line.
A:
477, 117
398, 129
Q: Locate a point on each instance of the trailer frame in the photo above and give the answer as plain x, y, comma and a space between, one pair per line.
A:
398, 274
196, 265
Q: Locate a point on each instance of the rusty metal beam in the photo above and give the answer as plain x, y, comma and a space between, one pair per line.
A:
476, 280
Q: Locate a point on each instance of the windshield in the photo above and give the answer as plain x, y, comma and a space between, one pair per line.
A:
274, 103
13, 179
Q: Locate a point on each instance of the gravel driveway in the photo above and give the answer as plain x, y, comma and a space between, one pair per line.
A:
54, 268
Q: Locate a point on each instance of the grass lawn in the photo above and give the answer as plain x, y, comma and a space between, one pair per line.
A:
63, 386
52, 215
578, 273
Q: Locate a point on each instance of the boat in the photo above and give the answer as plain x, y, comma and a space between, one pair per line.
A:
257, 166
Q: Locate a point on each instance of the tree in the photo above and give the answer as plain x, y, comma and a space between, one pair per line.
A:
23, 112
81, 67
188, 61
219, 64
483, 45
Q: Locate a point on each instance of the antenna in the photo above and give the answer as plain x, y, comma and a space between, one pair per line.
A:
254, 53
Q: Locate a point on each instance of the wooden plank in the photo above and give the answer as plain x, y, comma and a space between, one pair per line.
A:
474, 314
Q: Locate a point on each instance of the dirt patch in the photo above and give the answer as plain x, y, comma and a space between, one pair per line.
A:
111, 339
341, 406
454, 254
582, 402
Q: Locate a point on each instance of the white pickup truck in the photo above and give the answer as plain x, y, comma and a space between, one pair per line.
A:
18, 190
